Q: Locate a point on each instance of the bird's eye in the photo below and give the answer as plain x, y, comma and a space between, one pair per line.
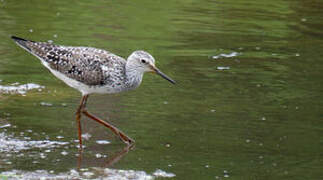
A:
143, 61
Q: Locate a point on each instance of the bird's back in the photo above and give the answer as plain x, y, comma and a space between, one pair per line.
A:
87, 65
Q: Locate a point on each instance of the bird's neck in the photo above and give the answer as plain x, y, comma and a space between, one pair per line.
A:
134, 77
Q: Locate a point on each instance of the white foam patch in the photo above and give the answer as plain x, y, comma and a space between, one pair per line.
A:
223, 68
92, 173
10, 144
19, 89
161, 173
5, 126
233, 54
103, 142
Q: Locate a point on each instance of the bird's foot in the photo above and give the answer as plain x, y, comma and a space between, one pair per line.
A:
126, 139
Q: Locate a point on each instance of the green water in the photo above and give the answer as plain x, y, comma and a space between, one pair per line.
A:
259, 119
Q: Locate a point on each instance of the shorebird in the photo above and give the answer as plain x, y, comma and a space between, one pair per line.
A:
91, 70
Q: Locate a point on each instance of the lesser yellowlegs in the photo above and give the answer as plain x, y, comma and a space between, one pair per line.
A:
91, 70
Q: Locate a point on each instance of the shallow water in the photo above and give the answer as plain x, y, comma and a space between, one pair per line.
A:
248, 103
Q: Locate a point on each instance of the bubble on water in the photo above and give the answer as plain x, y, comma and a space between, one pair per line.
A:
207, 166
225, 171
45, 104
55, 35
165, 102
64, 104
263, 118
74, 172
226, 175
212, 110
233, 54
35, 134
260, 157
50, 41
86, 136
78, 146
31, 30
103, 142
223, 68
297, 54
98, 155
303, 19
258, 48
42, 155
88, 174
64, 153
247, 140
59, 137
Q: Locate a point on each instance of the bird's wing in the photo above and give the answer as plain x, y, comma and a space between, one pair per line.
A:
88, 65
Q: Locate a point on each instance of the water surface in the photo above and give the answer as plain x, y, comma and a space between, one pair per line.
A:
248, 103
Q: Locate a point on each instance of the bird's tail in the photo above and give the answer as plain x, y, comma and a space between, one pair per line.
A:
22, 42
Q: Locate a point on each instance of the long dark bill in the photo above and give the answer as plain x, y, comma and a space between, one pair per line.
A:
163, 75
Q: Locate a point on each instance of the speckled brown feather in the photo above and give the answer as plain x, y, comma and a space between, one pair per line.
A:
90, 66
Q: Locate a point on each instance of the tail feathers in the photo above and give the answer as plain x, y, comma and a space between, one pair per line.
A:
21, 42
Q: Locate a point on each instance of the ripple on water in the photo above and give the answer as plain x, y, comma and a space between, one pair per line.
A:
19, 89
8, 143
233, 54
97, 173
223, 68
103, 142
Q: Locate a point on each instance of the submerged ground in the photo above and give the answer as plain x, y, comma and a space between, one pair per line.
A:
248, 103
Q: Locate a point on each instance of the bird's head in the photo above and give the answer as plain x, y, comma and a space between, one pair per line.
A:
144, 62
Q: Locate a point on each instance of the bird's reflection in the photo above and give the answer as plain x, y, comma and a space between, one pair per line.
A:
110, 160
